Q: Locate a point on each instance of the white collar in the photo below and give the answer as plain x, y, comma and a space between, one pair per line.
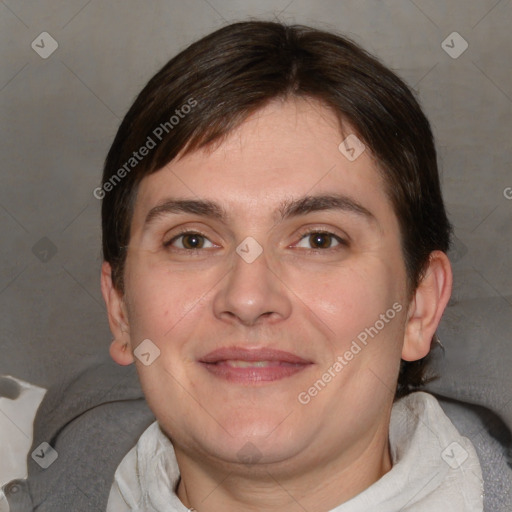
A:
434, 468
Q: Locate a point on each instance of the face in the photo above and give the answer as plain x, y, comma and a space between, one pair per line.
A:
254, 268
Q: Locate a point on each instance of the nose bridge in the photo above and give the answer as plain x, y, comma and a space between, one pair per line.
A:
251, 290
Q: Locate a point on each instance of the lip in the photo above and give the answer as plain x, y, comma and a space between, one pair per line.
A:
278, 364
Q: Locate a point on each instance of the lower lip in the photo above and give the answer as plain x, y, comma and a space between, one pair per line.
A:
254, 375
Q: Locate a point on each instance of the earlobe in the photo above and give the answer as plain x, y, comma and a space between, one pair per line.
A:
121, 353
427, 307
120, 349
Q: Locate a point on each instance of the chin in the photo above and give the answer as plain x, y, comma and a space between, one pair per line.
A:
263, 439
253, 450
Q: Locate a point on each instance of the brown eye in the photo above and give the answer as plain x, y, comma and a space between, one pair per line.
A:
193, 241
320, 240
189, 241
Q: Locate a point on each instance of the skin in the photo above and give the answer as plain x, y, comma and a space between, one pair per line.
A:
309, 302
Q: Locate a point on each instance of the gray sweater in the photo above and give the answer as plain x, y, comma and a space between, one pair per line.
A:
93, 418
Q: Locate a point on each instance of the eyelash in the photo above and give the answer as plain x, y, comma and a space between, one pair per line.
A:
342, 242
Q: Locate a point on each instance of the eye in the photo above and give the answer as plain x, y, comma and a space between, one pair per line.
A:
189, 241
320, 240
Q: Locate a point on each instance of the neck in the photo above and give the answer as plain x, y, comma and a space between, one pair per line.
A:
281, 486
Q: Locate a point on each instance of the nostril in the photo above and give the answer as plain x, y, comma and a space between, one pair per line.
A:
9, 388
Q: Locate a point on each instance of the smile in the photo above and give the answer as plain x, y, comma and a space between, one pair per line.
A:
239, 365
251, 364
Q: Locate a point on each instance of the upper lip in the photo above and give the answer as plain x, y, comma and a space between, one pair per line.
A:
244, 354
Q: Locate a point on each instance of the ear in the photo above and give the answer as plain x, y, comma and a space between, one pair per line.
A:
120, 349
427, 307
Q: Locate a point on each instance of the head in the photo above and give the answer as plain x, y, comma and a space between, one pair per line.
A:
241, 135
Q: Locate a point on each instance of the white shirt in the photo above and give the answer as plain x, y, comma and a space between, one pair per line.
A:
434, 468
16, 424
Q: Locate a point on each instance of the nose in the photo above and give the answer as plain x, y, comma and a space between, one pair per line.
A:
252, 293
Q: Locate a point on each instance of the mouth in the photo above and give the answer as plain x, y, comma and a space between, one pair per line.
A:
254, 366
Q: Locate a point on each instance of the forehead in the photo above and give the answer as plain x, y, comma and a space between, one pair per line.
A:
286, 150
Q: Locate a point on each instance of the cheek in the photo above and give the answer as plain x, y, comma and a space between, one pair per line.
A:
159, 301
347, 299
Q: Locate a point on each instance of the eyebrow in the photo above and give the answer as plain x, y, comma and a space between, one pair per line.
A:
287, 209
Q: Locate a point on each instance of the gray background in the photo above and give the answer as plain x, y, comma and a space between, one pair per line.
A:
60, 114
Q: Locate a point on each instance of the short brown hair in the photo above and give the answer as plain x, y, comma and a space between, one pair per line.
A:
231, 73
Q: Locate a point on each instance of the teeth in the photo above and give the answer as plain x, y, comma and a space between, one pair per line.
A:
248, 364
